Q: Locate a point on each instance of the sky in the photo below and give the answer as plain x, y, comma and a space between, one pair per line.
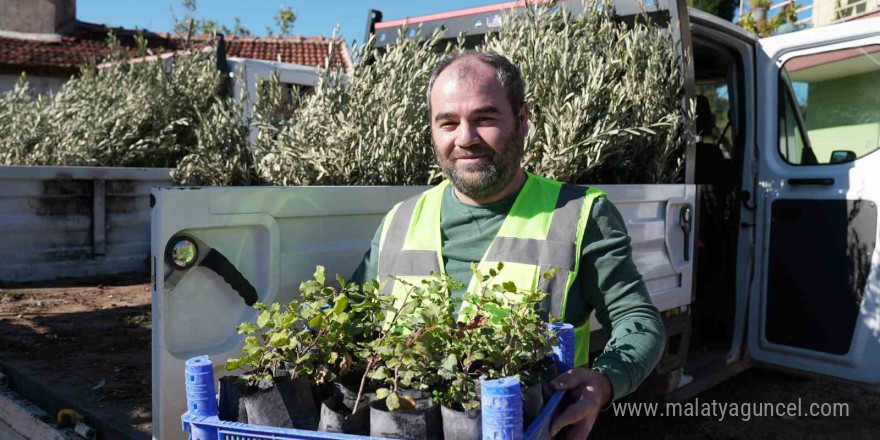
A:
314, 17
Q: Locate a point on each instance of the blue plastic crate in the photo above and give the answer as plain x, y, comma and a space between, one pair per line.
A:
212, 428
501, 402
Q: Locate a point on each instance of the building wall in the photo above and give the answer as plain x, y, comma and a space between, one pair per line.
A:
827, 12
39, 84
36, 16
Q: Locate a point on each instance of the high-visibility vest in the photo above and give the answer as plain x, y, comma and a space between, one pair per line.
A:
542, 231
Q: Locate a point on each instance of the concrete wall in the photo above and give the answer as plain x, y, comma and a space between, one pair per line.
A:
75, 222
36, 16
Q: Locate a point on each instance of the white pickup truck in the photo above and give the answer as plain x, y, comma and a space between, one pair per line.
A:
765, 253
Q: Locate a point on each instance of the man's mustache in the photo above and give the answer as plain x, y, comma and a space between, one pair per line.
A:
471, 153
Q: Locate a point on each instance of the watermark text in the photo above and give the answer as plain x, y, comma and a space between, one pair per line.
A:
720, 410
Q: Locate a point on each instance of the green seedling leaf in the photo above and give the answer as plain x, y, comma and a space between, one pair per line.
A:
246, 328
392, 402
341, 304
316, 321
280, 339
319, 275
233, 364
264, 318
450, 363
550, 273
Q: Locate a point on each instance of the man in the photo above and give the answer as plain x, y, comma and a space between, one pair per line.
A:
490, 210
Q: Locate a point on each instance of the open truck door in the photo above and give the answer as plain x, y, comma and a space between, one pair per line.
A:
239, 245
815, 298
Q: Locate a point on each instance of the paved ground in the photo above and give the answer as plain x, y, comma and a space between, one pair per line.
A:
92, 344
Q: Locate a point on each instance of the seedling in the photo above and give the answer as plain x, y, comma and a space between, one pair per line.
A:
311, 338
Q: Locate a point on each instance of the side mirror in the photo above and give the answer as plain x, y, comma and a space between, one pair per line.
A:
842, 156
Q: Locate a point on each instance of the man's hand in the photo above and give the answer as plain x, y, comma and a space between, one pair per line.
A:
588, 392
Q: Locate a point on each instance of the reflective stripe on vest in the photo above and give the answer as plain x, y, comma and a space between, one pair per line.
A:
543, 230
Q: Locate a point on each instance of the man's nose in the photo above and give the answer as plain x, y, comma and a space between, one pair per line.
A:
467, 135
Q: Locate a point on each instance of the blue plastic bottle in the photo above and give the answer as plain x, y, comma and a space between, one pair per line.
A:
200, 396
501, 401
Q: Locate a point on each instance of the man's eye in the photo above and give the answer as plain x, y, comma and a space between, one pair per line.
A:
447, 124
486, 119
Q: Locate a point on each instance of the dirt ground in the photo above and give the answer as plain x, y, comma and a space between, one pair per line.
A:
91, 346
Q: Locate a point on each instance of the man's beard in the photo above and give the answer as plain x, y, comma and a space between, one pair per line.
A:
491, 178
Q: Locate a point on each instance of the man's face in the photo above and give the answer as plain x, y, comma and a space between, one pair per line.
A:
478, 140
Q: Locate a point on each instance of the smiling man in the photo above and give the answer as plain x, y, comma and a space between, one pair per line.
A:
490, 210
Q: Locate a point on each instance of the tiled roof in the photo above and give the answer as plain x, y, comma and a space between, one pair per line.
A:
63, 54
296, 50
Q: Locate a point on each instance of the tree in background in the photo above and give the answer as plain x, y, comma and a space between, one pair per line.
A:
284, 21
191, 25
720, 8
612, 114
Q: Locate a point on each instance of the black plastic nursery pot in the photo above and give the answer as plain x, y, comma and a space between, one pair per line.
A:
421, 423
336, 417
230, 407
287, 404
337, 412
462, 425
533, 402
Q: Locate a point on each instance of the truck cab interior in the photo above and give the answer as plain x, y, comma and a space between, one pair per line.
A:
718, 87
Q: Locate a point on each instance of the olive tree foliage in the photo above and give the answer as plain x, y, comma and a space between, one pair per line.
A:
122, 115
366, 128
132, 114
606, 98
606, 106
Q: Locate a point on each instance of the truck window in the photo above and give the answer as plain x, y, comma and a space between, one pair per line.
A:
829, 106
720, 133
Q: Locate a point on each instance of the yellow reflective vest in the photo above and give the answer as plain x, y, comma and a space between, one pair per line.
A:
542, 231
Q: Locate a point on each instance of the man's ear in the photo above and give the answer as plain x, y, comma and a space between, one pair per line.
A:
523, 118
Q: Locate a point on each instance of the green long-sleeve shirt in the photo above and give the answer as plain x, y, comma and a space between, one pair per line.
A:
607, 282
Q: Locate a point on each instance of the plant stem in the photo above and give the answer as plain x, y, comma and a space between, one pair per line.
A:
373, 357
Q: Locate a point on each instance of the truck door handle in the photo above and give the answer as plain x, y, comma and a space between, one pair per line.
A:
223, 267
184, 252
684, 220
818, 181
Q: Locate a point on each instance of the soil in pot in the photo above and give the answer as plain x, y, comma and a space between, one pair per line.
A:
287, 404
462, 425
421, 423
231, 407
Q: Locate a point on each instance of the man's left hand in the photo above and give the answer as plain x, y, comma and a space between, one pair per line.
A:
588, 392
